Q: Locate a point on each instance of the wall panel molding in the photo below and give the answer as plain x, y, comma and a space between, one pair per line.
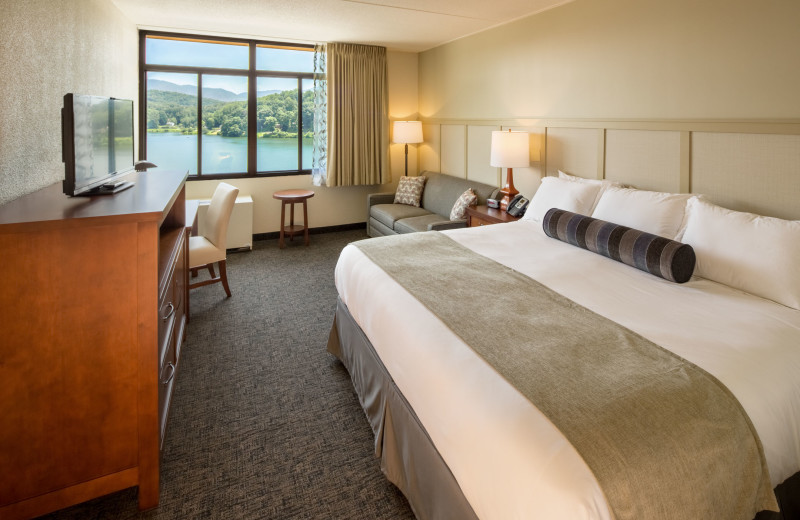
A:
748, 126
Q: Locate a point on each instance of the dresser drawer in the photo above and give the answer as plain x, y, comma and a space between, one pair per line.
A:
166, 381
167, 312
477, 221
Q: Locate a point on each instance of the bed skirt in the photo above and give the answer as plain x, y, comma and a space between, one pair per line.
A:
408, 457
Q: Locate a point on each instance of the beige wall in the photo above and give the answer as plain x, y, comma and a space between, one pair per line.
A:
51, 48
340, 205
649, 59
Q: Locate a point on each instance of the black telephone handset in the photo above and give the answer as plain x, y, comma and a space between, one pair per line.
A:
517, 206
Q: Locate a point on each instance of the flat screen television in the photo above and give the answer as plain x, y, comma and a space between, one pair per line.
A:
97, 144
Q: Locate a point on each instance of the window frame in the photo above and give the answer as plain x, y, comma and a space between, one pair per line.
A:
251, 73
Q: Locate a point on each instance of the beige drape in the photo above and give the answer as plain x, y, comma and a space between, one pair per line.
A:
358, 115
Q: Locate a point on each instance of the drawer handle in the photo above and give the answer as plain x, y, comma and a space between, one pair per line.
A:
170, 313
171, 374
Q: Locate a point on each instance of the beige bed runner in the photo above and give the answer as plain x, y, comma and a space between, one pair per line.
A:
664, 438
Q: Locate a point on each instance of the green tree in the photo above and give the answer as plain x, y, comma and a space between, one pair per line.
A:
268, 124
233, 127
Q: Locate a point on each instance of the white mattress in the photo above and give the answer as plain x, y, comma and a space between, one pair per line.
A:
509, 460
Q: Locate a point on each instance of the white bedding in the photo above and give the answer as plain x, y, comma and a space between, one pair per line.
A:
508, 459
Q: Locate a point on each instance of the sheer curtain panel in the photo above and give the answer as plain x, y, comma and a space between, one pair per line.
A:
358, 115
319, 154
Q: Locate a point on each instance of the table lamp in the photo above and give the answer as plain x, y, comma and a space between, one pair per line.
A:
509, 150
407, 132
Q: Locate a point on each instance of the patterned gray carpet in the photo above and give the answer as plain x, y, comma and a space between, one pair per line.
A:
264, 422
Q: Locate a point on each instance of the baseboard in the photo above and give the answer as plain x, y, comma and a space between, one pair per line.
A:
313, 231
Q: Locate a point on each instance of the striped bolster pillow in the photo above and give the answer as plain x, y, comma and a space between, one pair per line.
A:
656, 255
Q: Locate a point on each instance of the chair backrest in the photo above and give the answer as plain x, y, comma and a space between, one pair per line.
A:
219, 214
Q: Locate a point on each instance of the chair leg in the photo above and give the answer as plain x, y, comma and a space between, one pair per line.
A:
194, 272
211, 270
224, 277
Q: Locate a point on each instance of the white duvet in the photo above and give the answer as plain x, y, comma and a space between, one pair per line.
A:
508, 459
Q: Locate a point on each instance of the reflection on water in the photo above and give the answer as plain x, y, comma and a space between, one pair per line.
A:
174, 151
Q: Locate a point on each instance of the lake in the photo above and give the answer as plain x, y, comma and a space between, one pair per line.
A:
175, 151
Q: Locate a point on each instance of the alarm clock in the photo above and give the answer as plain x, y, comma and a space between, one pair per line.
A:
493, 203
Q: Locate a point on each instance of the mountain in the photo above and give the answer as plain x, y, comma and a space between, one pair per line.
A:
219, 94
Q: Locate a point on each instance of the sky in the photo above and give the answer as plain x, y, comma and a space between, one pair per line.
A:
226, 56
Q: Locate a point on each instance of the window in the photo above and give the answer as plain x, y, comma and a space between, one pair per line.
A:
222, 107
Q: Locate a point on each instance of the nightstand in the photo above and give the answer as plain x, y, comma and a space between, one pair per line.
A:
484, 215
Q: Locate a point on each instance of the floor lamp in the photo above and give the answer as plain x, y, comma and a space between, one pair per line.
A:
407, 132
509, 150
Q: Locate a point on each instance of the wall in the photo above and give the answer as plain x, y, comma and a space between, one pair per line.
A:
339, 205
680, 59
50, 48
671, 96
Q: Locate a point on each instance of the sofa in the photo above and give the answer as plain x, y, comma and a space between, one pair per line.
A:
438, 197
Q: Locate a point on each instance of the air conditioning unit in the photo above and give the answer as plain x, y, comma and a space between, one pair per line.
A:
240, 228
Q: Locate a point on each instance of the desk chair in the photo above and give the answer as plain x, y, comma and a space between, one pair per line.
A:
208, 248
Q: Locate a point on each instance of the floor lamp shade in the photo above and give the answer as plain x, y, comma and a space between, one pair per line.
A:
509, 150
407, 132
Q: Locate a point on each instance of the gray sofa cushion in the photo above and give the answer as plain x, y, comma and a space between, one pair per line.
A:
413, 224
388, 214
442, 191
377, 229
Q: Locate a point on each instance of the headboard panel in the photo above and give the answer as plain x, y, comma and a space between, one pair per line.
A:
759, 173
647, 159
573, 150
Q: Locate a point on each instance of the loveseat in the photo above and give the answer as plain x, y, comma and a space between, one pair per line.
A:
438, 197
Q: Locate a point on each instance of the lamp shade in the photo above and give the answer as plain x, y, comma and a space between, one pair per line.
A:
510, 149
407, 132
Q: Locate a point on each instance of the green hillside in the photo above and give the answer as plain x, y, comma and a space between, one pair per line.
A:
277, 114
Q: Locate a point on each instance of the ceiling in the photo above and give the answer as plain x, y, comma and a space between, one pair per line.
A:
404, 25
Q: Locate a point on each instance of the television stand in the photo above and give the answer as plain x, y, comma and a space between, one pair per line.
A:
109, 188
93, 323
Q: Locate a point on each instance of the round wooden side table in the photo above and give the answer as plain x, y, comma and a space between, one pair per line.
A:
292, 197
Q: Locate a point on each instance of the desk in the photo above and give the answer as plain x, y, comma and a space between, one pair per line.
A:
192, 206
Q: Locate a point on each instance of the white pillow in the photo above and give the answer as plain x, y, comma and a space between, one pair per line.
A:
603, 183
577, 197
650, 211
575, 178
752, 253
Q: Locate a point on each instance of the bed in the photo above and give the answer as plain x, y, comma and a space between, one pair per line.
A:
461, 441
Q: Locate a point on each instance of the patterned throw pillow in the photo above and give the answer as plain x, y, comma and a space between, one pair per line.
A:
409, 190
468, 198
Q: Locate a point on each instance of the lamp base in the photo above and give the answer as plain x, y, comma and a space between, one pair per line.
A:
508, 191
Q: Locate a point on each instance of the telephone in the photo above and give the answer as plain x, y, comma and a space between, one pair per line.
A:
517, 206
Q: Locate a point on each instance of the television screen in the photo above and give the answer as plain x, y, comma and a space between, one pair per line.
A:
98, 141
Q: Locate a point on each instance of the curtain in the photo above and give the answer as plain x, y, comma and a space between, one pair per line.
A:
319, 153
357, 116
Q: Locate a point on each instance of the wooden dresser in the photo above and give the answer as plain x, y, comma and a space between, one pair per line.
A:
93, 310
